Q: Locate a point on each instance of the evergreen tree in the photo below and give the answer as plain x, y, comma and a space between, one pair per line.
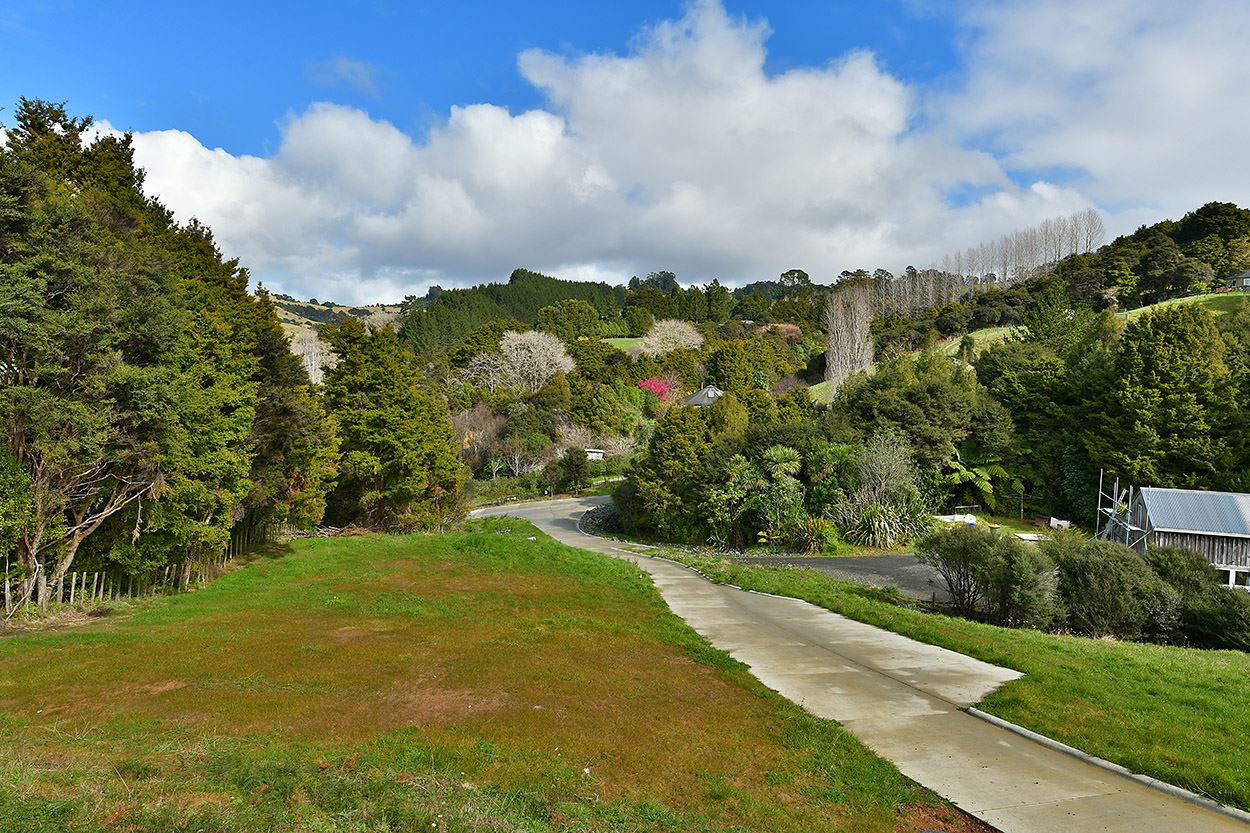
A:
399, 463
1164, 413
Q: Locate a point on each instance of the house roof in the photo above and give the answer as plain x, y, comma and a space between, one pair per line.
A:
1190, 510
704, 396
1239, 276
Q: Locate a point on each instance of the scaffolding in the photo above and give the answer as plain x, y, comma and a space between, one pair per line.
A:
1115, 521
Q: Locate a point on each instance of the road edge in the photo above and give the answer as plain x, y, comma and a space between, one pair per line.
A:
1145, 780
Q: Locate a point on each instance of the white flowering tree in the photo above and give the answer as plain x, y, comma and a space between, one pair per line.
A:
669, 334
531, 358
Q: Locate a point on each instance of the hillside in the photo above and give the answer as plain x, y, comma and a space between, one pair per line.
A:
1219, 303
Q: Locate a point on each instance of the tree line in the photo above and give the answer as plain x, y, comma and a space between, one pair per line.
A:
150, 403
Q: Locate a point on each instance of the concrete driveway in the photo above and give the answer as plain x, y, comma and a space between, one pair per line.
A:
902, 698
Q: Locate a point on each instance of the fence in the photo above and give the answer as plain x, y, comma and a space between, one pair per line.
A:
93, 587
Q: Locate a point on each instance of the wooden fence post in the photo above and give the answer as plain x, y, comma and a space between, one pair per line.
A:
73, 583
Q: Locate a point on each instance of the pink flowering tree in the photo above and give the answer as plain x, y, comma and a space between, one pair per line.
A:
661, 388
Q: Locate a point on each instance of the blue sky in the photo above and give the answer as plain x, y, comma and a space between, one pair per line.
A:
229, 73
364, 152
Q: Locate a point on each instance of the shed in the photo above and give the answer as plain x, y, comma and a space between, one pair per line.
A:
1216, 524
703, 397
594, 453
1241, 281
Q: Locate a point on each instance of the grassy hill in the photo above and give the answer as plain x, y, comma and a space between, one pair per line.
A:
492, 680
1219, 303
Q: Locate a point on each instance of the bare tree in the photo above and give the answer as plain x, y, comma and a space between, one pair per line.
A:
479, 430
308, 346
669, 334
531, 358
848, 316
486, 370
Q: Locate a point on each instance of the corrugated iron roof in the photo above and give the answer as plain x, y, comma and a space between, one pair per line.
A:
1190, 510
703, 397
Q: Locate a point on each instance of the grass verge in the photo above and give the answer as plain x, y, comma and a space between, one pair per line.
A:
491, 680
1179, 714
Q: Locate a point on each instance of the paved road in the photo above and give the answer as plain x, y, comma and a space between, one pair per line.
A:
904, 572
902, 698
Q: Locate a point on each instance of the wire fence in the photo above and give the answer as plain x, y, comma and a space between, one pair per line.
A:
88, 588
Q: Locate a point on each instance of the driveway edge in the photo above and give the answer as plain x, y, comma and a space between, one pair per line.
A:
1145, 780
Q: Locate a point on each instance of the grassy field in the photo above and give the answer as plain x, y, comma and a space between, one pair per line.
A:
1218, 303
625, 344
1179, 714
489, 681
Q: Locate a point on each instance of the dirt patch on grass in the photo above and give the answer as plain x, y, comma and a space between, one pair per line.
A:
162, 687
946, 819
429, 704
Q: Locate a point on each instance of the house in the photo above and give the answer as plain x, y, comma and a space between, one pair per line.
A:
1241, 281
703, 397
1216, 524
594, 453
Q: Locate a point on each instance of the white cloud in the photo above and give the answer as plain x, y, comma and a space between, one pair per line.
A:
1144, 103
681, 154
341, 71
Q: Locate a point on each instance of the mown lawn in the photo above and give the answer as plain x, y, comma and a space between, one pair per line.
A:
1179, 714
624, 344
473, 681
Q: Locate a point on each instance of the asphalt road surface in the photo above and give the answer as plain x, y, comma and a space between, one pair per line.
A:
904, 572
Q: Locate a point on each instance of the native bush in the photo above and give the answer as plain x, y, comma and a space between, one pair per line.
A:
1211, 615
1110, 590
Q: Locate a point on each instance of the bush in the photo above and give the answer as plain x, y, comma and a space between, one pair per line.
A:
957, 555
1211, 615
1017, 582
1000, 579
1110, 590
884, 524
819, 535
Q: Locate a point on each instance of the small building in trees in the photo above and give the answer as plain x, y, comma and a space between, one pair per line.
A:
1241, 281
594, 454
703, 397
1216, 524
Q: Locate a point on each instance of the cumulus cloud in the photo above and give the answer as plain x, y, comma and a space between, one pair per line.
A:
684, 153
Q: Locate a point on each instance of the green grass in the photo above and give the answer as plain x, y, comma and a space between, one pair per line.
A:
624, 344
1219, 303
469, 681
1179, 714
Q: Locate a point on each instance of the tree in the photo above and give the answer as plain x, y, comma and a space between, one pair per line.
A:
574, 469
399, 453
664, 476
569, 320
729, 367
638, 320
531, 358
848, 314
85, 318
670, 334
719, 301
1164, 412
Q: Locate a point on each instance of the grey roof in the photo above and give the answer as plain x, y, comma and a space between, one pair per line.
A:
704, 397
1189, 510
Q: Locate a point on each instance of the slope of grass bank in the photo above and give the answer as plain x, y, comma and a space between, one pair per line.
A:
492, 680
1179, 714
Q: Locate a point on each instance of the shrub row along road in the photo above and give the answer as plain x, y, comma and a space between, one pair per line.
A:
902, 698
